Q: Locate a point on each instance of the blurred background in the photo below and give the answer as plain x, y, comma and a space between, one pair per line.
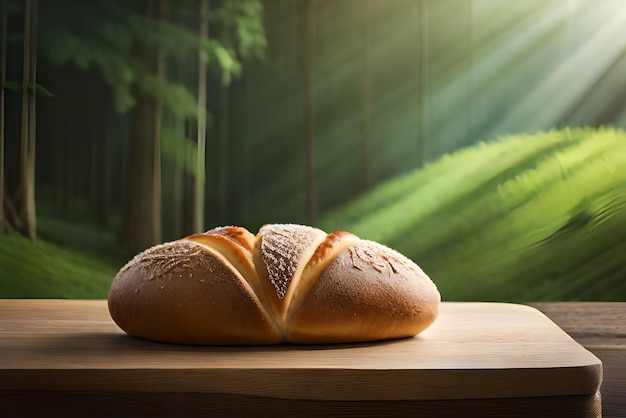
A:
484, 139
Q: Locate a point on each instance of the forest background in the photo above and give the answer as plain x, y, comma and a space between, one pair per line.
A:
129, 123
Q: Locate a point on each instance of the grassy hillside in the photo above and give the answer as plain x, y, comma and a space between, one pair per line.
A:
527, 217
43, 270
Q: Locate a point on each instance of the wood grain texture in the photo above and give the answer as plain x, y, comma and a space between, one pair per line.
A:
490, 353
601, 328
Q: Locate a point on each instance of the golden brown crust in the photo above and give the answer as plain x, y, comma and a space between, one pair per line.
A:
182, 293
235, 234
323, 256
288, 283
369, 292
326, 249
235, 244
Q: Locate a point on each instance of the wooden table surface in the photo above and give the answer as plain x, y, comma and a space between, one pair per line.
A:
65, 342
600, 327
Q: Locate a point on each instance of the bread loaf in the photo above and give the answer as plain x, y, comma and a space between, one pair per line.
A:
288, 283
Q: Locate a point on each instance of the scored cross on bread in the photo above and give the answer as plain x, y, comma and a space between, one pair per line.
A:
288, 283
282, 264
287, 256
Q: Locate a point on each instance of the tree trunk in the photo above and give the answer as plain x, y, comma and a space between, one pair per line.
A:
182, 183
424, 116
199, 186
142, 224
101, 190
58, 152
157, 213
308, 39
139, 194
469, 60
24, 137
178, 176
32, 128
189, 182
243, 149
28, 134
223, 155
4, 225
366, 108
70, 153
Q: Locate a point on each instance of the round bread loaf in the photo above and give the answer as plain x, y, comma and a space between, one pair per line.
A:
288, 283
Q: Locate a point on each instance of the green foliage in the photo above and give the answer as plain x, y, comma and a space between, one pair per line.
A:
180, 151
175, 96
533, 217
244, 19
103, 35
225, 57
39, 89
445, 180
42, 91
42, 270
89, 36
241, 36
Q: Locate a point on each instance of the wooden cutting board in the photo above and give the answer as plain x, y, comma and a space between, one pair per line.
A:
473, 351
